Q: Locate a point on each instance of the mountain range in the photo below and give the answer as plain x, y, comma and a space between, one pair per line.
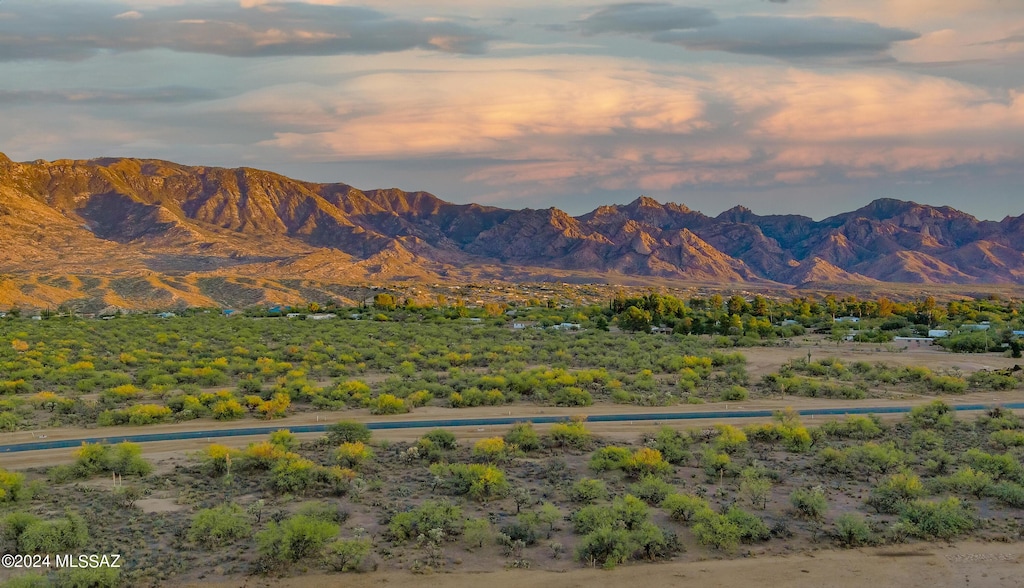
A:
155, 218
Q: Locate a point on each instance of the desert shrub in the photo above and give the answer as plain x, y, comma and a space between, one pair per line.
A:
587, 491
523, 436
609, 458
683, 507
605, 546
294, 538
646, 461
227, 410
345, 555
429, 515
388, 404
1001, 466
492, 448
895, 491
809, 503
651, 489
481, 482
12, 485
854, 427
852, 531
733, 394
730, 439
944, 519
284, 439
89, 578
1009, 493
478, 532
716, 530
934, 415
293, 474
348, 432
1004, 439
926, 440
571, 434
673, 445
751, 527
54, 536
442, 439
218, 526
967, 481
353, 455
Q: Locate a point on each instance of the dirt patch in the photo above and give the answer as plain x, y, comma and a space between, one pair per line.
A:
151, 505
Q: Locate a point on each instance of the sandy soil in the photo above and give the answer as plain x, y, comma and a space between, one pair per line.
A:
967, 564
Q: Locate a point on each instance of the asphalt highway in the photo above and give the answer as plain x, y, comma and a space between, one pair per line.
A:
470, 422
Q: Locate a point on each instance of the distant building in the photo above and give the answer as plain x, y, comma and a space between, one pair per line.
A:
567, 327
847, 319
1017, 333
917, 340
789, 323
321, 316
229, 312
981, 327
476, 320
661, 330
166, 315
293, 314
938, 333
355, 316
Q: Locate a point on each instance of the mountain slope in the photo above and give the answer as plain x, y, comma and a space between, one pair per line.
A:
148, 217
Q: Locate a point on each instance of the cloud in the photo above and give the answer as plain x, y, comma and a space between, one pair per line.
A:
265, 29
642, 17
159, 95
790, 37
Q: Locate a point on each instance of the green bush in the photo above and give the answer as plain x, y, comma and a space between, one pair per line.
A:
944, 519
348, 432
715, 530
587, 491
895, 491
523, 436
751, 527
294, 538
809, 502
220, 525
429, 515
345, 555
684, 507
651, 489
852, 531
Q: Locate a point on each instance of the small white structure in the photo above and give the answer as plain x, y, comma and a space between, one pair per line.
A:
518, 326
982, 327
293, 314
661, 330
355, 316
847, 319
1017, 333
166, 315
789, 323
567, 327
476, 320
321, 316
917, 340
938, 333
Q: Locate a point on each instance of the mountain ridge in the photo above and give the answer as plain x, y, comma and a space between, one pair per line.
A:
145, 215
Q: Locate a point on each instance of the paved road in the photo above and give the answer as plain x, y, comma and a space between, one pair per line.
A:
471, 422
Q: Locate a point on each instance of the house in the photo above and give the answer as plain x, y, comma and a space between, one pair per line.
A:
321, 316
847, 319
1017, 333
229, 312
917, 340
980, 327
293, 314
938, 333
476, 320
789, 323
567, 327
661, 330
37, 317
166, 315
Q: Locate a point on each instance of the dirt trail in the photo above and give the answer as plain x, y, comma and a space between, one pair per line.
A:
973, 564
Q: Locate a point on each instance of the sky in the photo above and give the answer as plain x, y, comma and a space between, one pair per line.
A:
813, 107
